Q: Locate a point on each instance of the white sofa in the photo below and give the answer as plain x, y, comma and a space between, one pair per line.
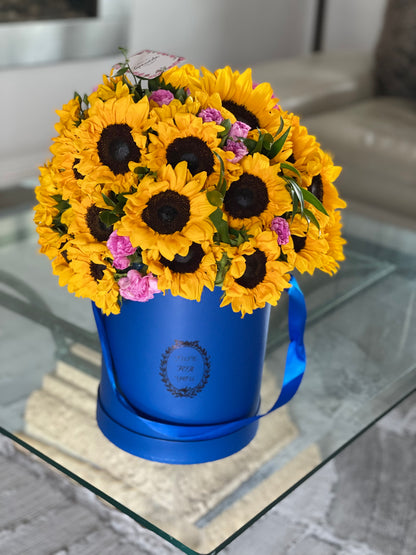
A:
371, 135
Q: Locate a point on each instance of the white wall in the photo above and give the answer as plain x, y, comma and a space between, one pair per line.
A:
28, 100
215, 33
353, 24
211, 33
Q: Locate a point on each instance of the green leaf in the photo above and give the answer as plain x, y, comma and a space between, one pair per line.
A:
296, 194
259, 145
121, 200
295, 201
220, 225
223, 266
310, 197
58, 226
267, 141
295, 190
290, 167
224, 134
282, 124
238, 236
181, 95
108, 200
153, 84
226, 123
215, 198
250, 144
278, 144
282, 257
108, 218
121, 71
63, 205
141, 171
310, 217
222, 184
222, 187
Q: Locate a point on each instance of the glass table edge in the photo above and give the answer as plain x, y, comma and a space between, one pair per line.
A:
174, 541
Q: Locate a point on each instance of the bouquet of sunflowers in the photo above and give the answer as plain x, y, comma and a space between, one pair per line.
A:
187, 180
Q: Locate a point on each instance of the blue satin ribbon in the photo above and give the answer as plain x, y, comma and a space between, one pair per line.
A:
294, 370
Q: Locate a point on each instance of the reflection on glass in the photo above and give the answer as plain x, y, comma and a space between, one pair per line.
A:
361, 353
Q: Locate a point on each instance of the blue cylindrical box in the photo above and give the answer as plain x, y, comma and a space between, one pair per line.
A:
183, 363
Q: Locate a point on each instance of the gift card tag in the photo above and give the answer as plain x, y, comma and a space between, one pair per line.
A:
149, 64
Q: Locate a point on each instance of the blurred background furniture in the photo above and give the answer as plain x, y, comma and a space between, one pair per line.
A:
363, 109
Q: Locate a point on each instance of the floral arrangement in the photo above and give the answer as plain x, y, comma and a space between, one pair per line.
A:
190, 180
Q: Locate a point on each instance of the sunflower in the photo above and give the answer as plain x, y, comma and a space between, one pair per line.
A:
185, 275
315, 166
168, 212
303, 148
69, 116
168, 111
322, 184
48, 188
65, 151
61, 266
51, 230
111, 87
336, 244
240, 101
89, 232
186, 138
64, 163
110, 138
256, 276
91, 276
50, 241
309, 244
258, 194
180, 77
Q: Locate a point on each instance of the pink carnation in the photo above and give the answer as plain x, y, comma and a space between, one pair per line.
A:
136, 287
239, 130
120, 248
281, 228
161, 97
239, 149
211, 114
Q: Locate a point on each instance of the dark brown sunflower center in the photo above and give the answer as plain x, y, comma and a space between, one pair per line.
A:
192, 150
167, 212
298, 242
77, 175
187, 264
247, 197
317, 188
241, 113
64, 254
97, 271
116, 148
97, 229
255, 270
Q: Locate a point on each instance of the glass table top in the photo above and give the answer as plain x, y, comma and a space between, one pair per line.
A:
361, 362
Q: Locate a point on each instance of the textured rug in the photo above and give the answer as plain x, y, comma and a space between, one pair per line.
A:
179, 498
360, 503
